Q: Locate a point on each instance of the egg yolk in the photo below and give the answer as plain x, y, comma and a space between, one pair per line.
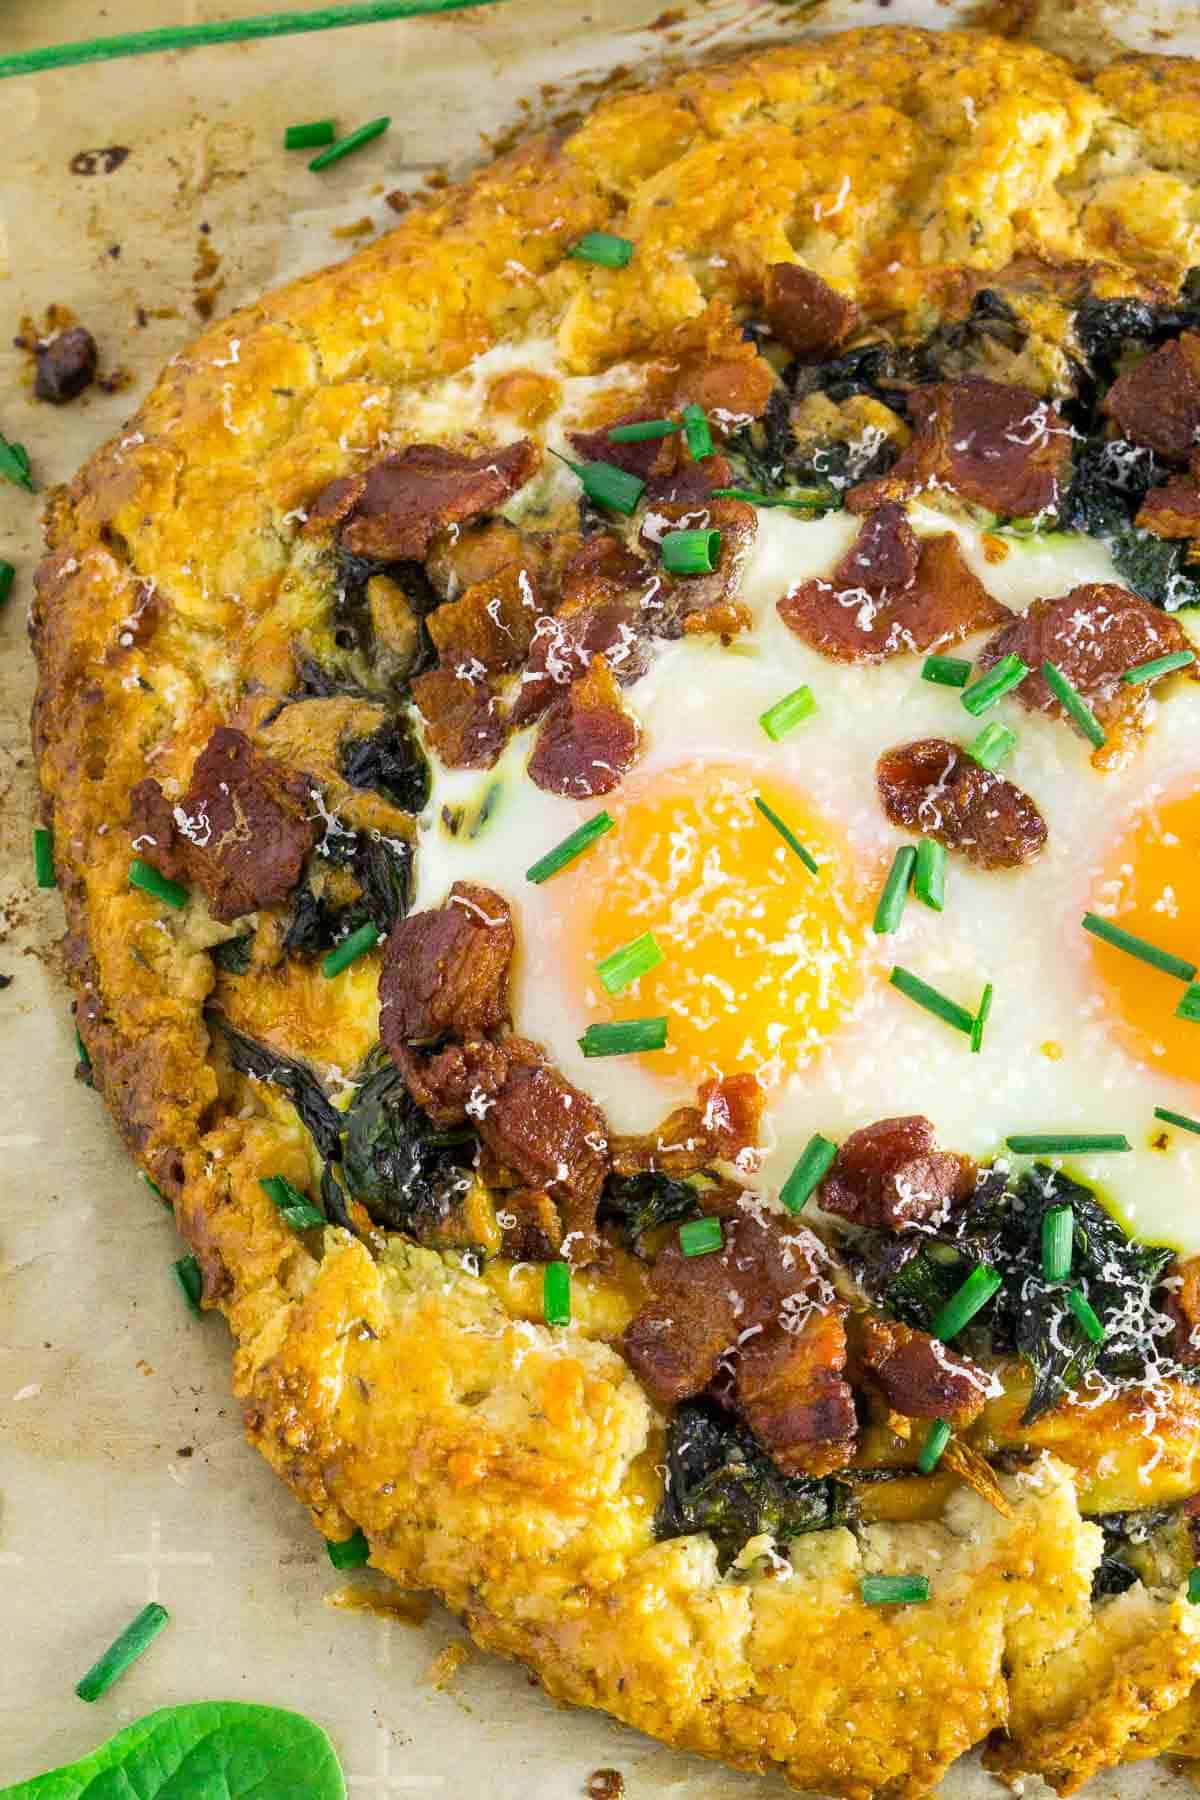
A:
760, 958
1151, 886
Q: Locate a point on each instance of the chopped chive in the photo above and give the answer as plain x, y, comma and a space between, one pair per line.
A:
1066, 1143
154, 1188
894, 1590
1058, 1242
295, 1209
1136, 946
372, 129
1193, 1587
1158, 665
348, 1553
700, 1237
936, 1439
788, 836
606, 485
929, 881
981, 1019
310, 136
350, 949
787, 713
1074, 704
191, 1283
137, 1637
966, 1301
993, 746
804, 501
642, 430
816, 1160
894, 894
556, 1293
942, 1008
43, 858
690, 552
144, 876
1084, 1311
1180, 1119
1189, 1006
629, 963
569, 849
14, 465
696, 431
81, 1051
624, 1038
1008, 673
603, 247
946, 671
7, 577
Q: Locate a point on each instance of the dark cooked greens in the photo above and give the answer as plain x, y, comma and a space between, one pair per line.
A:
1111, 479
382, 867
389, 762
295, 1079
638, 1203
233, 956
408, 1175
1128, 1537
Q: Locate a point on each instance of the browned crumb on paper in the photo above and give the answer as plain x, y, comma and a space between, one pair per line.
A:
448, 1662
605, 1784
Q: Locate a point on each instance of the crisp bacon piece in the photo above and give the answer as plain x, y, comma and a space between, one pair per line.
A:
805, 313
712, 365
492, 626
791, 1393
890, 1175
1093, 634
453, 1084
530, 1228
693, 603
918, 1376
393, 512
998, 446
445, 971
1173, 510
647, 457
551, 1134
933, 787
722, 1127
1157, 404
458, 559
674, 1345
462, 720
604, 586
587, 741
241, 831
1183, 1304
849, 620
691, 483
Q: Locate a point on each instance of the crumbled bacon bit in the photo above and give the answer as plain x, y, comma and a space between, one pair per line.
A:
393, 512
643, 458
918, 1376
462, 720
458, 559
805, 313
1183, 1303
933, 787
1157, 404
241, 832
492, 625
602, 614
587, 742
702, 602
1173, 510
691, 483
722, 1127
890, 1175
552, 1134
530, 1228
712, 366
445, 971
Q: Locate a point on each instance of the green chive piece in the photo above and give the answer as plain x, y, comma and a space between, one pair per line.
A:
1066, 1143
556, 1293
1136, 946
372, 129
946, 671
603, 247
804, 501
569, 849
1074, 704
700, 1237
1189, 1006
144, 876
1058, 1242
696, 431
624, 1038
642, 431
932, 1450
789, 837
690, 552
1082, 1307
43, 858
191, 1283
137, 1637
994, 745
981, 1019
629, 963
310, 136
816, 1160
81, 1051
892, 899
348, 1553
154, 1188
929, 881
350, 949
7, 577
1008, 673
14, 465
979, 1287
894, 1590
606, 485
1193, 1587
1180, 1119
787, 713
295, 1209
1158, 665
914, 988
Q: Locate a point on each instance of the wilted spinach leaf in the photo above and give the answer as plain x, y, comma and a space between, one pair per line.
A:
389, 762
407, 1175
637, 1203
1110, 481
382, 866
294, 1079
233, 956
1126, 1533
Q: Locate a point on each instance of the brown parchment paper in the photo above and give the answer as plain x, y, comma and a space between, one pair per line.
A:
124, 1475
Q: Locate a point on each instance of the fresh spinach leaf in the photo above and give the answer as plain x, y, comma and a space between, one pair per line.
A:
214, 1750
408, 1176
294, 1079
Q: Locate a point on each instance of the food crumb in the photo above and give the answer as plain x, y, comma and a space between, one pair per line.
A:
447, 1663
605, 1784
995, 549
356, 229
